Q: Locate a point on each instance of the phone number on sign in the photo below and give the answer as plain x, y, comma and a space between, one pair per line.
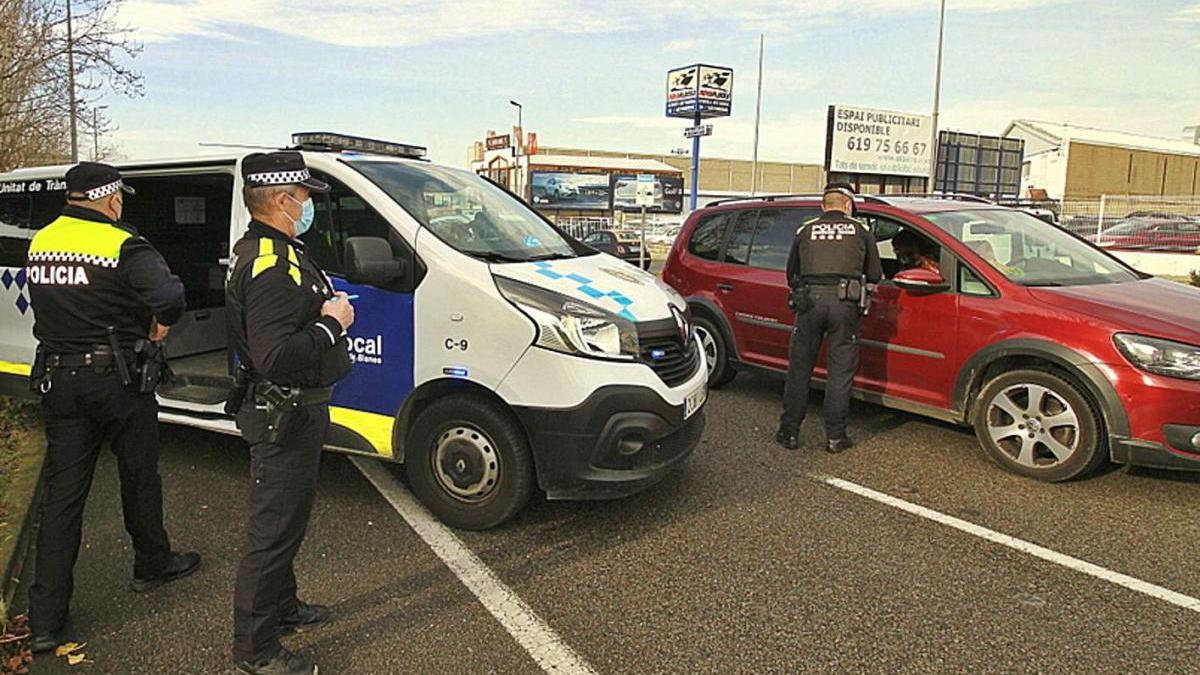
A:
886, 146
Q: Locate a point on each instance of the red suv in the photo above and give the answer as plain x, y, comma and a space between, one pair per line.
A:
1059, 355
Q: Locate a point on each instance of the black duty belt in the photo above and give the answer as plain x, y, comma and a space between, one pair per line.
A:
822, 281
99, 359
297, 395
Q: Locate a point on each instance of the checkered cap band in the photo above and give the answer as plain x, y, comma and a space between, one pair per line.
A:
103, 191
279, 177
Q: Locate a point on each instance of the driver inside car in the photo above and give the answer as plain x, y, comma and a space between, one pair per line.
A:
914, 252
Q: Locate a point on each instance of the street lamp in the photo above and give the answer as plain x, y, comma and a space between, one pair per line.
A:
937, 96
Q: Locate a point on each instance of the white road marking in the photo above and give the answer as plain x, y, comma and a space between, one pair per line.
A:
538, 639
1124, 580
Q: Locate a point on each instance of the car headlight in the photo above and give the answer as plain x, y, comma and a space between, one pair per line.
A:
1161, 357
572, 327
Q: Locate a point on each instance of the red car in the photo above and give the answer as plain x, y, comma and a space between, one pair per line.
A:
1059, 355
1152, 234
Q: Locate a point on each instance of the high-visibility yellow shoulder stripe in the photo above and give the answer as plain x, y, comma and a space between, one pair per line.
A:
295, 273
263, 263
292, 255
266, 246
375, 428
74, 236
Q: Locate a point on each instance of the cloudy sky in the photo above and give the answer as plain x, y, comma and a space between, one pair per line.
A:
591, 74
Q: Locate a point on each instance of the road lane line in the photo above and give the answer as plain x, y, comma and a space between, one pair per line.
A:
546, 648
1124, 580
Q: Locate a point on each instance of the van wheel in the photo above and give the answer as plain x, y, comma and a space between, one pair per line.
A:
716, 353
469, 462
1037, 424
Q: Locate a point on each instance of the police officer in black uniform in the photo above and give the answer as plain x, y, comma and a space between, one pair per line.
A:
102, 297
832, 260
288, 329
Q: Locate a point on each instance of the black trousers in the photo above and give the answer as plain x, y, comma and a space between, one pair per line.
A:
83, 409
838, 320
284, 483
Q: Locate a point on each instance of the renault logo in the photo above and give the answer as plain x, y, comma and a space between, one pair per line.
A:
681, 323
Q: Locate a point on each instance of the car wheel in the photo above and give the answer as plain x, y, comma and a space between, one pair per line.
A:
1037, 424
468, 461
716, 353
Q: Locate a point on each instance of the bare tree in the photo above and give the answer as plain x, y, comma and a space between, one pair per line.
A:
35, 94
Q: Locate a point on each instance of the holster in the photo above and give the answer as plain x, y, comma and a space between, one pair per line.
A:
151, 364
864, 296
280, 401
237, 393
799, 299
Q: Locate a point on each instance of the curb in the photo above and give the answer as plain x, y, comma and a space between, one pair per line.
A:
12, 567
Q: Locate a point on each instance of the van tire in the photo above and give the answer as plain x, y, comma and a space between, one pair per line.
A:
714, 346
476, 433
1061, 400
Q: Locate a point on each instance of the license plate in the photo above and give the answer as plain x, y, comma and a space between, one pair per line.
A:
695, 401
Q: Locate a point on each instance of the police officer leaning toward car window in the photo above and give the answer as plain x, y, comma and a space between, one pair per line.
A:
102, 298
831, 258
287, 327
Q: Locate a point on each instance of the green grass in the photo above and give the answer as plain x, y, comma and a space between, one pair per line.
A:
21, 453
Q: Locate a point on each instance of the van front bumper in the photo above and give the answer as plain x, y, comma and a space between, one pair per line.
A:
620, 441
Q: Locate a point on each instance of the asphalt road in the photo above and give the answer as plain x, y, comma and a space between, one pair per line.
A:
742, 562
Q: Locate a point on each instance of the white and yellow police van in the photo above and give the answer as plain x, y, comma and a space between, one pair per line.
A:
490, 349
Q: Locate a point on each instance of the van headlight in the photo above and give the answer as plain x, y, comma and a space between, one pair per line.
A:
1161, 357
572, 327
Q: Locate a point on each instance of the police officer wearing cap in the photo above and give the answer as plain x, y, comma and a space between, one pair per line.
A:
831, 259
287, 327
100, 293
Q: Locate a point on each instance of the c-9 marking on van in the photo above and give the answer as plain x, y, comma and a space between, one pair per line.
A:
567, 369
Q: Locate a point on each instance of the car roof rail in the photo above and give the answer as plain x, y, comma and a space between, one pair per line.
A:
874, 199
954, 196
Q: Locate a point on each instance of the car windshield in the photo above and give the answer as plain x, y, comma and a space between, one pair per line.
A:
467, 212
1030, 251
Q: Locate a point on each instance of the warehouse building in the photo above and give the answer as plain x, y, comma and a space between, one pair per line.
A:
1074, 162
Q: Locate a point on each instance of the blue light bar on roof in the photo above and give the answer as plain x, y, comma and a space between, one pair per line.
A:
324, 140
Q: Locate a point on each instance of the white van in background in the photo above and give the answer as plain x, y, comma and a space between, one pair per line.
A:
490, 349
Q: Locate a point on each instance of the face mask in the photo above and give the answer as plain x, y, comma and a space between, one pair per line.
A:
307, 213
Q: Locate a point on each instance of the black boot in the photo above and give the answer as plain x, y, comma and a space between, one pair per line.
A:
179, 565
836, 445
283, 663
788, 438
41, 643
305, 617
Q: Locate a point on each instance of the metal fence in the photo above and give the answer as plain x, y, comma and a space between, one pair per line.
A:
581, 226
1128, 223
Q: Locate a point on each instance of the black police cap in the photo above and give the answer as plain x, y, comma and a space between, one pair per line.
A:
286, 167
842, 187
94, 180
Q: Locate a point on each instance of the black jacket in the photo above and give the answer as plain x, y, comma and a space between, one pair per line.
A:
273, 303
88, 272
833, 246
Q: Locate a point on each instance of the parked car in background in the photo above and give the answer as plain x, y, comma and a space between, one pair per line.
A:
1060, 356
625, 245
665, 236
1159, 232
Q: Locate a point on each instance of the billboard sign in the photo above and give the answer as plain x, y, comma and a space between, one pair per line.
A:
498, 142
871, 141
701, 130
707, 90
664, 193
566, 190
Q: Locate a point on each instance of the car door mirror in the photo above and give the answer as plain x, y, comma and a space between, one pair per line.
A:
921, 281
369, 260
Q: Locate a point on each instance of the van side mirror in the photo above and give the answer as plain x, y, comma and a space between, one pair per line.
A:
921, 281
369, 260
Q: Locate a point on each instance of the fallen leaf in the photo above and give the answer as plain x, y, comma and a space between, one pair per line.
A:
69, 648
76, 659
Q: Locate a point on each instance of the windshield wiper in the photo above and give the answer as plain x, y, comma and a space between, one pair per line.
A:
552, 256
493, 257
1041, 284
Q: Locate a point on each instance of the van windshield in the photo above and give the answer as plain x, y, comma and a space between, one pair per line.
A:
1029, 250
467, 212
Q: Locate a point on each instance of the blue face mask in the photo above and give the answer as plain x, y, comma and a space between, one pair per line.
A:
307, 213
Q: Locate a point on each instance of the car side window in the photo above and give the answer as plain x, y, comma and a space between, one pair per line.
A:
737, 252
774, 235
341, 214
708, 235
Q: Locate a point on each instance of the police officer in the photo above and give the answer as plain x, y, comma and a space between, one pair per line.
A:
829, 260
288, 329
97, 291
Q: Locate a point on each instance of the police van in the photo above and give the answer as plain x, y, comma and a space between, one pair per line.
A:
490, 350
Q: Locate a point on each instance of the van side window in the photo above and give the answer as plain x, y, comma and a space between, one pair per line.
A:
707, 237
774, 235
737, 252
14, 230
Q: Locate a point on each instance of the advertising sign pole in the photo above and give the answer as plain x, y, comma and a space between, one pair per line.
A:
695, 165
642, 253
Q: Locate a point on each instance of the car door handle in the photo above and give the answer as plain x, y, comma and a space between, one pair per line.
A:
725, 287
